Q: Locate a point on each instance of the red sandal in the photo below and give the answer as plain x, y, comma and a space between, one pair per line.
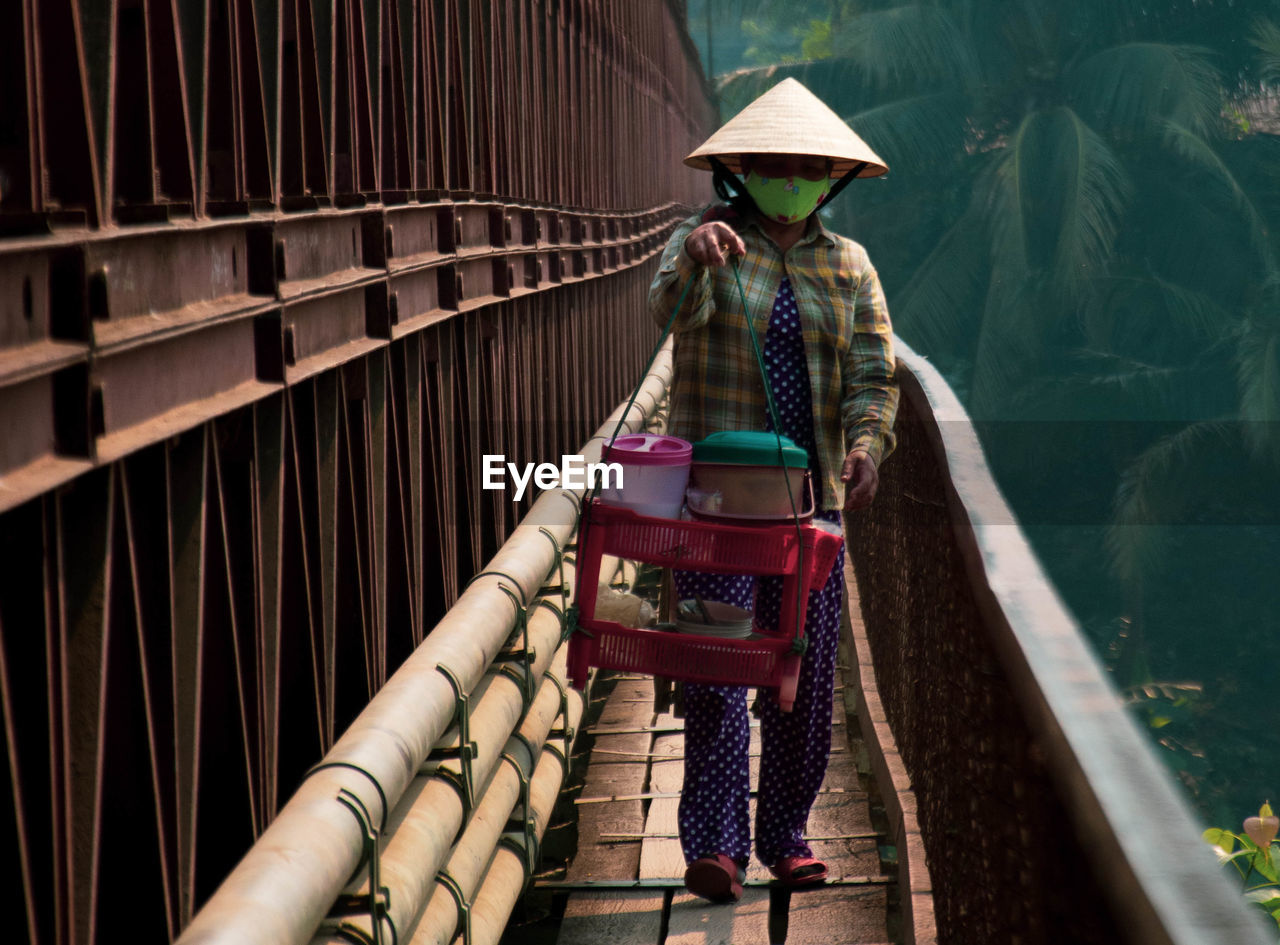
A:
716, 878
799, 871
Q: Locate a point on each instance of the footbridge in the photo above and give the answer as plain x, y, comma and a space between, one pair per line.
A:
275, 277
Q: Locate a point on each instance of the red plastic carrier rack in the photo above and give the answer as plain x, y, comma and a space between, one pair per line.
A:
773, 662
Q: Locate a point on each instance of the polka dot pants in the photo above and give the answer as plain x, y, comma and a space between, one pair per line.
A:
794, 745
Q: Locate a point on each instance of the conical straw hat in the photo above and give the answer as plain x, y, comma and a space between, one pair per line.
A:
788, 119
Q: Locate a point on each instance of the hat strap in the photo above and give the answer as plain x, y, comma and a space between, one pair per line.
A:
725, 180
843, 182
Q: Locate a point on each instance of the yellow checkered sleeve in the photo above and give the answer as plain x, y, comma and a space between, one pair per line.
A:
847, 335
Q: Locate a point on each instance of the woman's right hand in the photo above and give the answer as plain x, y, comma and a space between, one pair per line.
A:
711, 243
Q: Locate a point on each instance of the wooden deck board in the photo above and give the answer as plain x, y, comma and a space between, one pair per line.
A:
842, 773
639, 755
629, 700
667, 776
625, 709
616, 917
660, 856
836, 916
596, 860
839, 815
695, 921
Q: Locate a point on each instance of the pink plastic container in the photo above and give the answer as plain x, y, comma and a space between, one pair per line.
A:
655, 472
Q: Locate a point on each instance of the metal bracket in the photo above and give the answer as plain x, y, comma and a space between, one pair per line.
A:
467, 749
377, 903
345, 931
521, 653
565, 730
558, 568
445, 879
528, 747
556, 609
530, 850
382, 795
574, 499
571, 625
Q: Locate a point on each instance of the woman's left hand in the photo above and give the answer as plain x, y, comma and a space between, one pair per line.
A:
860, 478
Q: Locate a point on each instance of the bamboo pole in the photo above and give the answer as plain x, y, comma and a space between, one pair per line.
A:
504, 881
283, 888
474, 852
497, 704
423, 829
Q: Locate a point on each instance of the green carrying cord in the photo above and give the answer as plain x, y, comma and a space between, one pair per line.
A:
584, 516
801, 643
645, 373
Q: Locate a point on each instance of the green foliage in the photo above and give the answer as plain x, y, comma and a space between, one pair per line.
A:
1163, 703
1080, 229
1125, 88
816, 44
1258, 374
1253, 863
1041, 154
1266, 37
1048, 190
908, 47
783, 34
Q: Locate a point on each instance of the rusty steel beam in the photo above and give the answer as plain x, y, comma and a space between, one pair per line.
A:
274, 275
126, 339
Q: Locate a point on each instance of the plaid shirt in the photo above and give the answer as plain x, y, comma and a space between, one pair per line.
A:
847, 337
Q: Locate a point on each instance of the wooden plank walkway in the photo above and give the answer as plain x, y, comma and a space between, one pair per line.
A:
626, 877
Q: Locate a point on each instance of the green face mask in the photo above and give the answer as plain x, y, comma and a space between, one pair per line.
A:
786, 199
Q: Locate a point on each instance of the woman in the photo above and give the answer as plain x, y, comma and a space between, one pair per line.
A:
815, 300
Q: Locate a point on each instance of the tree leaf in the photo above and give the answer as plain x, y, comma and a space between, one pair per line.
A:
1223, 840
1266, 37
1258, 377
938, 306
1265, 867
912, 45
1092, 384
1197, 152
1138, 84
1063, 194
835, 81
1141, 314
1009, 346
922, 131
1267, 896
1156, 489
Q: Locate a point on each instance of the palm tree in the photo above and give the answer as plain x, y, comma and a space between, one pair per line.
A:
1078, 228
1023, 138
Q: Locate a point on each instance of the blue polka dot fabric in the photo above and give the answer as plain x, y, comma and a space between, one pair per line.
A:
795, 745
788, 371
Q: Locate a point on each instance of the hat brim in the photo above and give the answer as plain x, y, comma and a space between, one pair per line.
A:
789, 119
700, 160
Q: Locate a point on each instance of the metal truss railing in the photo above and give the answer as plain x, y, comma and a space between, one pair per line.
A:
274, 275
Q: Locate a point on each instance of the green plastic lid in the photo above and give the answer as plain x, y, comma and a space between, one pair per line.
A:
749, 448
